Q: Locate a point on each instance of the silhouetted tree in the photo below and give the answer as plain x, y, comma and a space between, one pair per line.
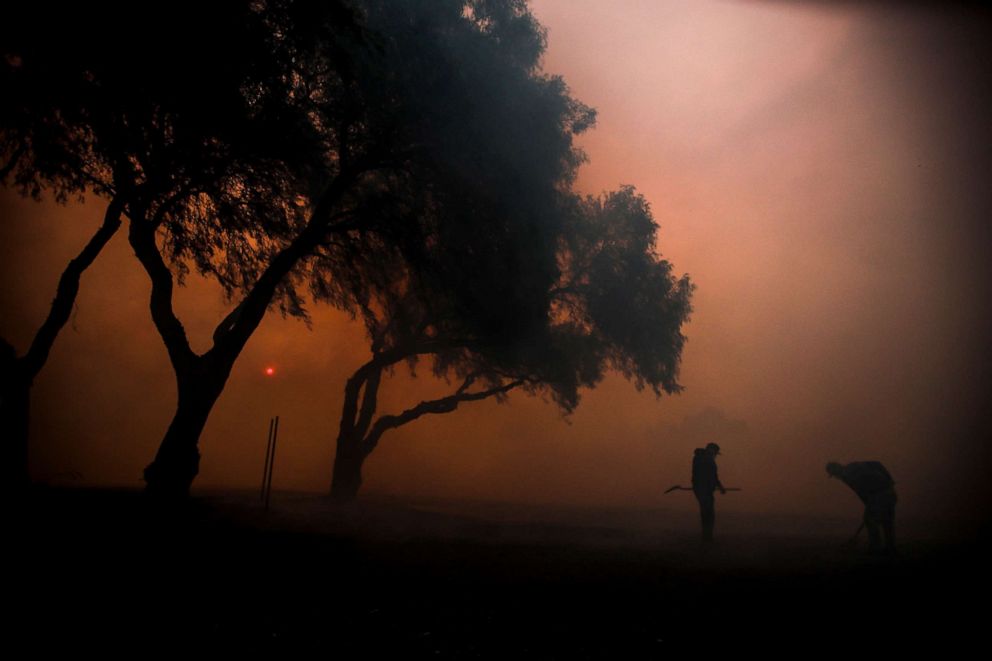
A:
17, 373
298, 134
456, 248
613, 305
36, 153
195, 129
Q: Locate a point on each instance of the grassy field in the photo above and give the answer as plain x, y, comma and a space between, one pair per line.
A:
97, 571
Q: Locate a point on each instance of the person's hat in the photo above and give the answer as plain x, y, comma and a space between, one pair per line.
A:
714, 447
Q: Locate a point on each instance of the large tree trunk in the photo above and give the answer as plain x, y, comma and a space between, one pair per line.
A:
347, 477
358, 436
15, 392
201, 378
177, 461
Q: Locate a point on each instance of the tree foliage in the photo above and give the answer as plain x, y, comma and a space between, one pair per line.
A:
203, 130
406, 161
510, 280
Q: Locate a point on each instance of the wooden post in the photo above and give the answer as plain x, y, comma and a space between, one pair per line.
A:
272, 461
268, 451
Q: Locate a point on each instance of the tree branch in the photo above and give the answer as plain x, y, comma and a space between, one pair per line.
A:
68, 288
170, 202
233, 332
349, 409
442, 405
351, 418
141, 236
369, 398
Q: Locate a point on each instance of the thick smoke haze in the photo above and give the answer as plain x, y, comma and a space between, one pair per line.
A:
819, 169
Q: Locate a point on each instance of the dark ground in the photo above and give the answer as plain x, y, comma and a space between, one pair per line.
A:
96, 571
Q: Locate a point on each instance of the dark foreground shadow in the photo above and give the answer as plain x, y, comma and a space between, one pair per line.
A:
96, 571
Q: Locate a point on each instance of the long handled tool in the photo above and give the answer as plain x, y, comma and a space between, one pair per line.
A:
678, 487
854, 537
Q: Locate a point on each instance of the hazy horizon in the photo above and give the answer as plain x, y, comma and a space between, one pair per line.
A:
819, 170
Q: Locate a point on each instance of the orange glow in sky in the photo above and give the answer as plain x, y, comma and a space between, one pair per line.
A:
818, 169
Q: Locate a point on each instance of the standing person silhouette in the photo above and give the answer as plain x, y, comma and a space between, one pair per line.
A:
704, 482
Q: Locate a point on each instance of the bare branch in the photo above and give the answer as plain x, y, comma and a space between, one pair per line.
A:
142, 239
68, 288
369, 396
442, 405
349, 413
233, 332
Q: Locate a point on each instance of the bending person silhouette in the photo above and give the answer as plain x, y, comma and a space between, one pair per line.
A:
876, 489
704, 482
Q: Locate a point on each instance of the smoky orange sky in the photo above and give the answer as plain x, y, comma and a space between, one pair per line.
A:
819, 169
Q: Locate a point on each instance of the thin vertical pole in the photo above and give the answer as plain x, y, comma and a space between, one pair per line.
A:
272, 461
268, 451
